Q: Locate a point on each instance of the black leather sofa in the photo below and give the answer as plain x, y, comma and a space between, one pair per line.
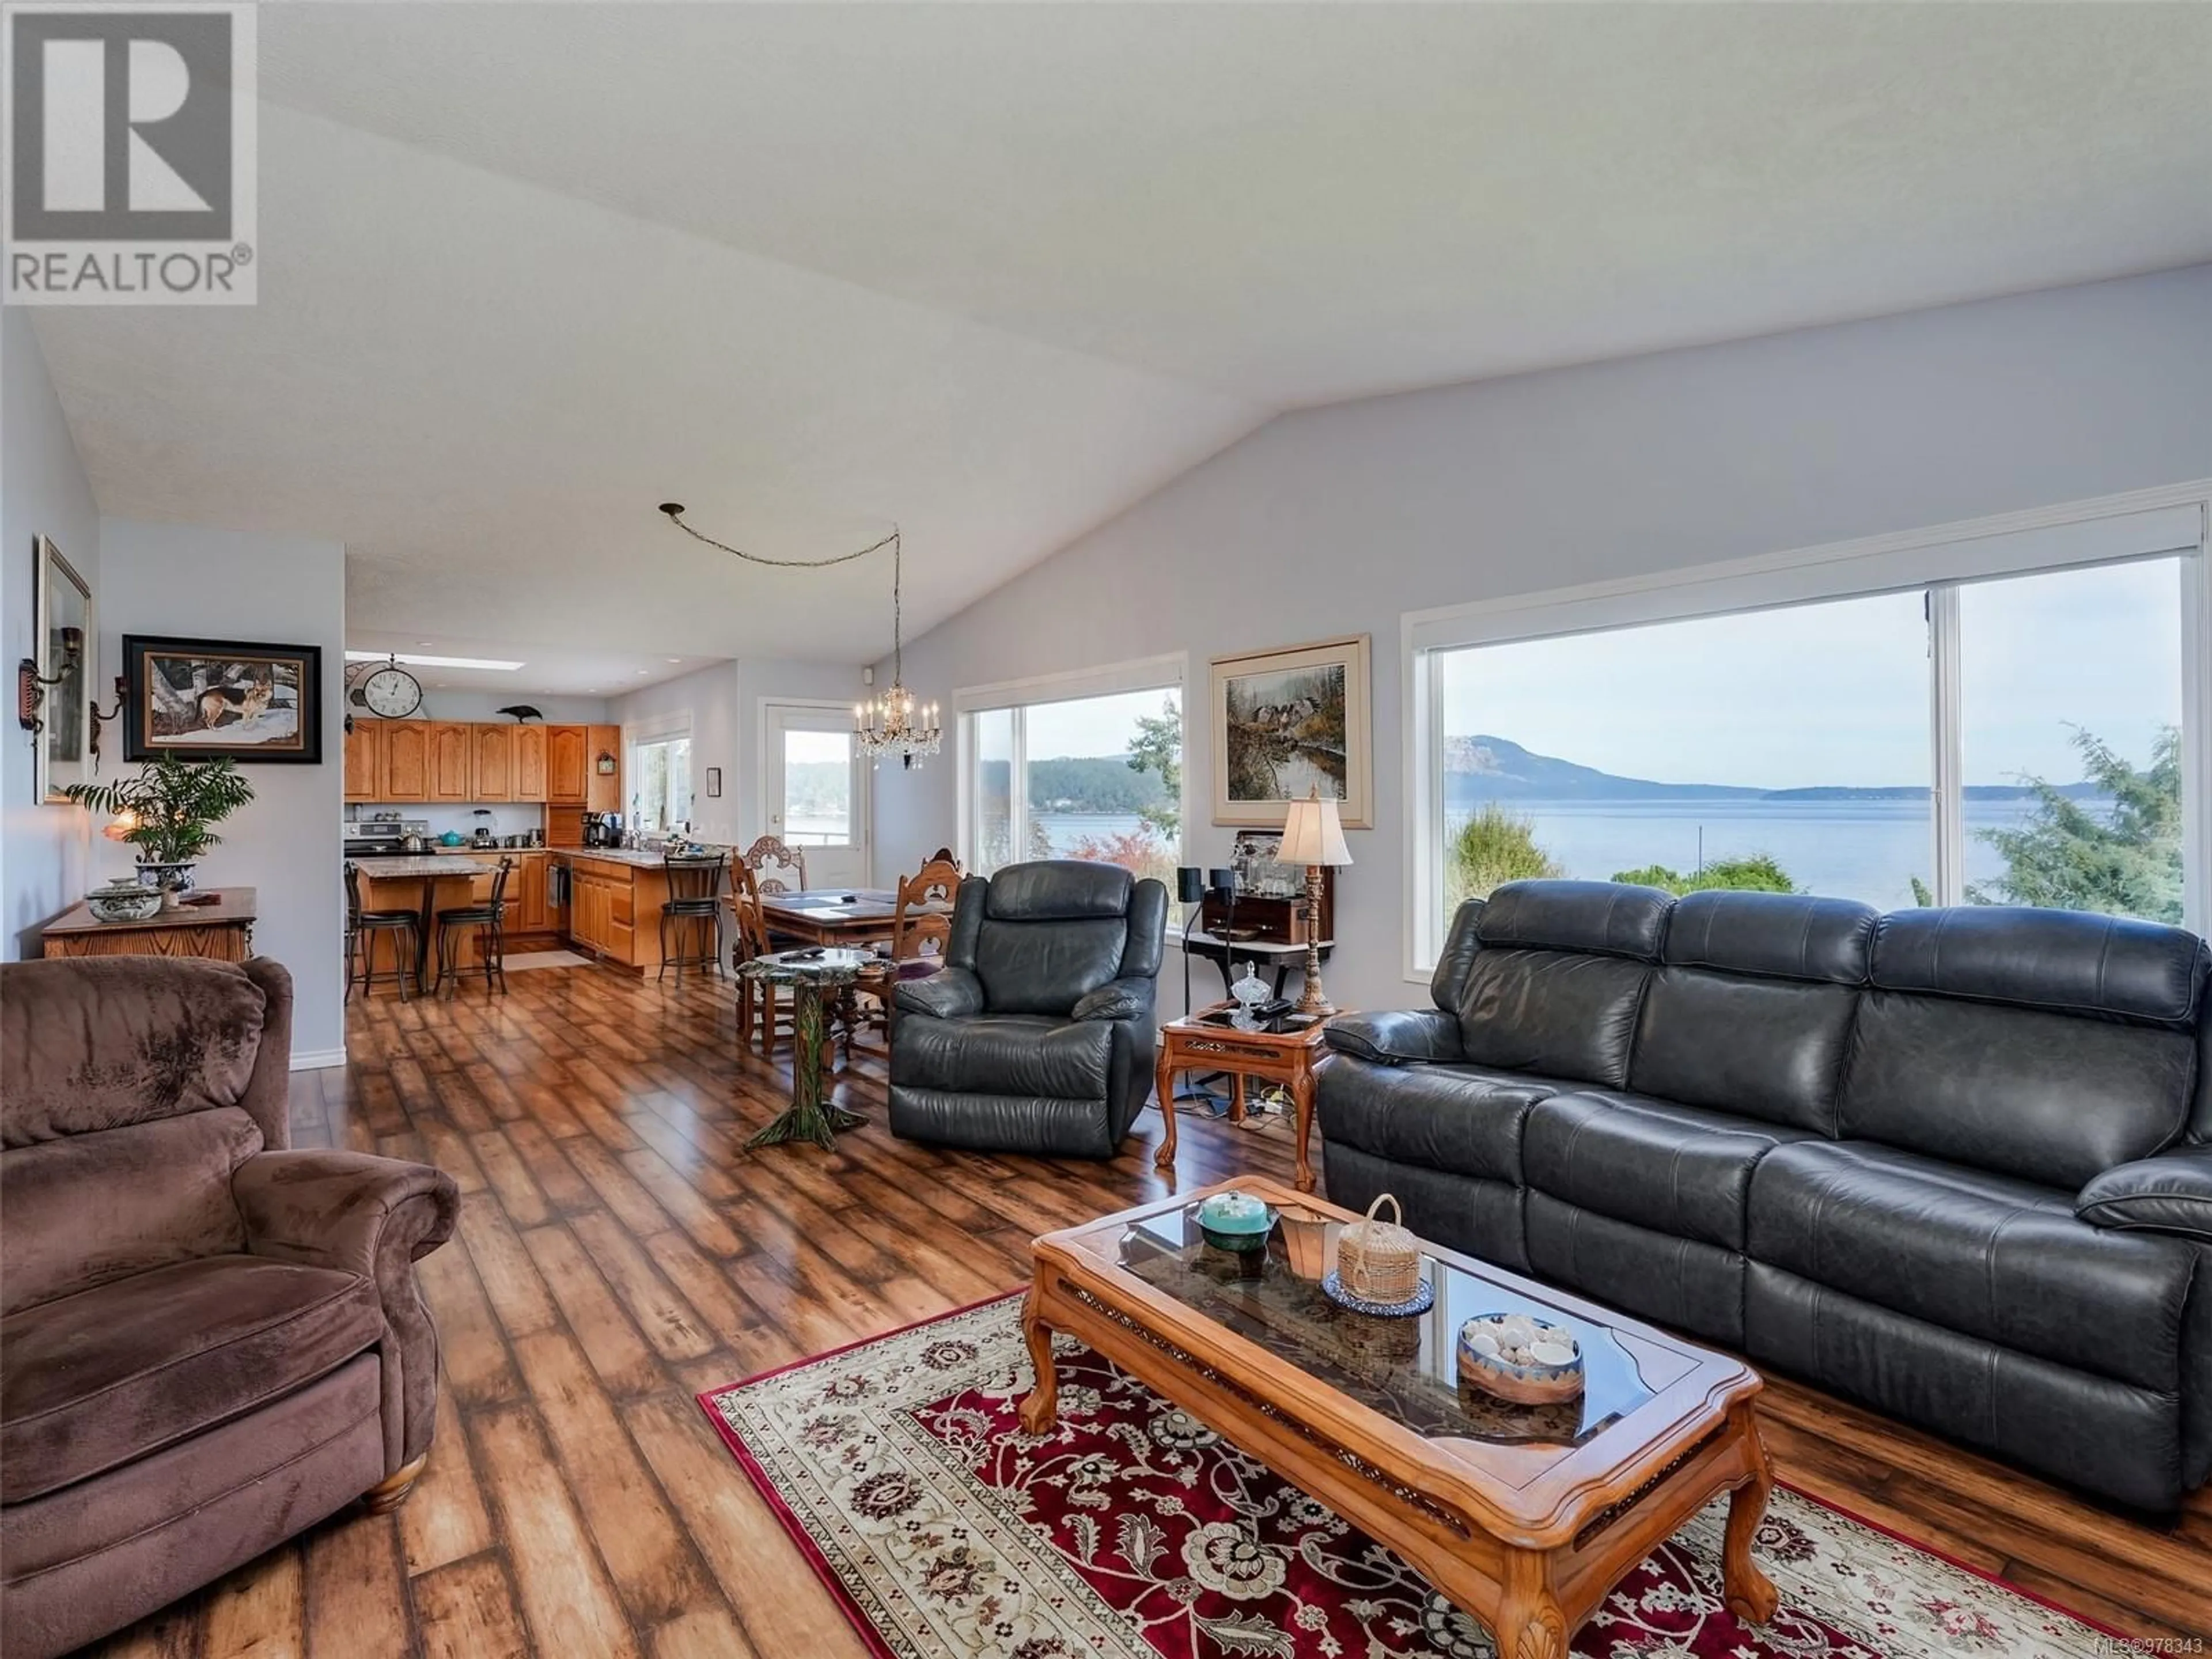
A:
1037, 1034
1953, 1163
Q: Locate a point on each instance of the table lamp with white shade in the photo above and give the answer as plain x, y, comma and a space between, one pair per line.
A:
1313, 834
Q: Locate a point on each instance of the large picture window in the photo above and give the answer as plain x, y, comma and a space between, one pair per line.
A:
1999, 736
1095, 776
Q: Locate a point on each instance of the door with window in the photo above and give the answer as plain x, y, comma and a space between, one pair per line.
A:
814, 790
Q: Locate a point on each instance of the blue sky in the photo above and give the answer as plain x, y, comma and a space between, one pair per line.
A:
1837, 693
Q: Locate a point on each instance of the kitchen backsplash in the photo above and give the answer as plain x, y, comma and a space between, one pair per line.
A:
508, 818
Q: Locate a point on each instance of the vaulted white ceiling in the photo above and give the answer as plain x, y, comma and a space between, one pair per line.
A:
997, 271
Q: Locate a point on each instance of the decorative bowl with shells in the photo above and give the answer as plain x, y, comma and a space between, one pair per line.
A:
1521, 1358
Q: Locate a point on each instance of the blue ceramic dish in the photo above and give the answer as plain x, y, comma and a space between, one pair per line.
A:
1423, 1298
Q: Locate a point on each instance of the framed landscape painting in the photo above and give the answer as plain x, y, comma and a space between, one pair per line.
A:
206, 698
1289, 722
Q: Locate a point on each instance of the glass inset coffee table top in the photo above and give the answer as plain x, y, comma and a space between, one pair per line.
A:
1405, 1368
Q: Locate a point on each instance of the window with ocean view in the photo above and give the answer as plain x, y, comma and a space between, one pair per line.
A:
1094, 777
2000, 737
1698, 752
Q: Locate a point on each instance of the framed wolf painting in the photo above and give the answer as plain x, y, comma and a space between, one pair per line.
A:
1289, 722
201, 699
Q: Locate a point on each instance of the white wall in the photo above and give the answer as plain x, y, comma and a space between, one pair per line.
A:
45, 852
723, 704
1337, 521
485, 706
284, 590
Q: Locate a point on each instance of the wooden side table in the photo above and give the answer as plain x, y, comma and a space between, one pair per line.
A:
1195, 1043
223, 931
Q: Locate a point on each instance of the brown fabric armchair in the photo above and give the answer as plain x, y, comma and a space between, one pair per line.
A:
208, 1341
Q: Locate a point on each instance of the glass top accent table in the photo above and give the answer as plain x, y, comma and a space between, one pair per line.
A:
815, 977
1524, 1516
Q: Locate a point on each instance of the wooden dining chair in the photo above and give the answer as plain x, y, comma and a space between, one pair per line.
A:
756, 1000
921, 929
776, 868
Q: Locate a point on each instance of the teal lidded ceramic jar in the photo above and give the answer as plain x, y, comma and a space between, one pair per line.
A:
1236, 1222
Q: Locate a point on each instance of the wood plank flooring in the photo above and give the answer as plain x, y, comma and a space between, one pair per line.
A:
617, 1255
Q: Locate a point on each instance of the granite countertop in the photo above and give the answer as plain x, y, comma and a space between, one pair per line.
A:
416, 864
636, 858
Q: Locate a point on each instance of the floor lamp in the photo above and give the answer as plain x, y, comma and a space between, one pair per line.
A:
1313, 834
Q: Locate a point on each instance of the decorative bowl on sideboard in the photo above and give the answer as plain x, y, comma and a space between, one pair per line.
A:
124, 901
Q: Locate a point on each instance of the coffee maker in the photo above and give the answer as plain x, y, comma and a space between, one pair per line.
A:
603, 829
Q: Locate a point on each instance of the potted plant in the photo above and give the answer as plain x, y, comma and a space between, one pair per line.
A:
169, 812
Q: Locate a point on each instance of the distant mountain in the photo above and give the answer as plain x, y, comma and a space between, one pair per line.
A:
1485, 767
1498, 768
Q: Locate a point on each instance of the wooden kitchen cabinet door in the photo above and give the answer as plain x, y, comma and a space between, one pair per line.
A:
494, 762
452, 771
604, 790
406, 746
567, 765
364, 762
529, 762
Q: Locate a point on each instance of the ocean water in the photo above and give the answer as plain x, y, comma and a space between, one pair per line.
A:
1861, 849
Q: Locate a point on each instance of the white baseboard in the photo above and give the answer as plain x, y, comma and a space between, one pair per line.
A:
315, 1060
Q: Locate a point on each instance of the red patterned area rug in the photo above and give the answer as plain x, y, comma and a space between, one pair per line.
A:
1135, 1531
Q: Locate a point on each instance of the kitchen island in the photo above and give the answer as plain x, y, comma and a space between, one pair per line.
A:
427, 883
614, 895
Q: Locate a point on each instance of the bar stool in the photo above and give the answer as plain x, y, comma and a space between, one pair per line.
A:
693, 911
491, 919
362, 927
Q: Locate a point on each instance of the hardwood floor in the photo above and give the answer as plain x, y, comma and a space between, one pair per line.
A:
617, 1254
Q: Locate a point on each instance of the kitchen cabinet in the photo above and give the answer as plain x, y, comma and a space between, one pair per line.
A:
400, 762
567, 764
364, 761
406, 758
529, 762
603, 790
615, 910
492, 763
452, 762
526, 911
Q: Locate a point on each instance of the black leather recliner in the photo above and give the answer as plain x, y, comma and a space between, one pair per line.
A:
1954, 1163
1037, 1034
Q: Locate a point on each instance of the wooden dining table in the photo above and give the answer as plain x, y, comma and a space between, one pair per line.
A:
858, 916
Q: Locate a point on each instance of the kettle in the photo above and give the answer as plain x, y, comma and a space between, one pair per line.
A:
413, 842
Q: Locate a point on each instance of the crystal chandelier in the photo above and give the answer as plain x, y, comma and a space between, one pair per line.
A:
895, 723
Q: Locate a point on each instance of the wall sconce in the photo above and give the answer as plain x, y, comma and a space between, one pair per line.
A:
101, 717
31, 686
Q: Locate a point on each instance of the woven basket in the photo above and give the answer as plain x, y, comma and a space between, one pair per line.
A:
1379, 1260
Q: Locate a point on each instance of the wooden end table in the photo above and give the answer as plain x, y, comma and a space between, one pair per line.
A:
1288, 1057
1525, 1516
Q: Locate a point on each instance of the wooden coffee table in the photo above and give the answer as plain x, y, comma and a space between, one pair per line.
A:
1525, 1516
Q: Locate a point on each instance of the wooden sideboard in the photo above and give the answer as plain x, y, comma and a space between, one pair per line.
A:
222, 932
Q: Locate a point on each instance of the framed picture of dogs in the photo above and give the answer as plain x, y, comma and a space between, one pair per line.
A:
202, 699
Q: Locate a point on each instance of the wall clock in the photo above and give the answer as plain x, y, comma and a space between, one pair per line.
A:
392, 691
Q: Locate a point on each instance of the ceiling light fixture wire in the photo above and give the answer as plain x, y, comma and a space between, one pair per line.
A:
896, 722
